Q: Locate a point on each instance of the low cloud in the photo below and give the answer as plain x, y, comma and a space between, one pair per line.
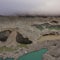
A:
33, 7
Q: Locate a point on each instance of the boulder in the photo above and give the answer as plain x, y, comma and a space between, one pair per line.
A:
22, 40
4, 35
54, 21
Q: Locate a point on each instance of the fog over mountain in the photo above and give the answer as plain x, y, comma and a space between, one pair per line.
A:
32, 7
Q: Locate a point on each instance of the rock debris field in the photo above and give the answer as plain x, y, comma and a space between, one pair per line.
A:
21, 35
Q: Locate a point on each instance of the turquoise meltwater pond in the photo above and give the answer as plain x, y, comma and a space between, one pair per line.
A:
37, 55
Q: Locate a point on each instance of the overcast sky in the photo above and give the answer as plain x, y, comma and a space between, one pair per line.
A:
42, 7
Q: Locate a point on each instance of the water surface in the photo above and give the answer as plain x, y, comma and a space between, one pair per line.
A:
37, 55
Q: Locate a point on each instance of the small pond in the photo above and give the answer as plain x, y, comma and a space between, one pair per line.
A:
37, 55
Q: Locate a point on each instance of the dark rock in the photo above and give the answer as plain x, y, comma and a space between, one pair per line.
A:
54, 21
4, 35
45, 34
53, 33
22, 40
